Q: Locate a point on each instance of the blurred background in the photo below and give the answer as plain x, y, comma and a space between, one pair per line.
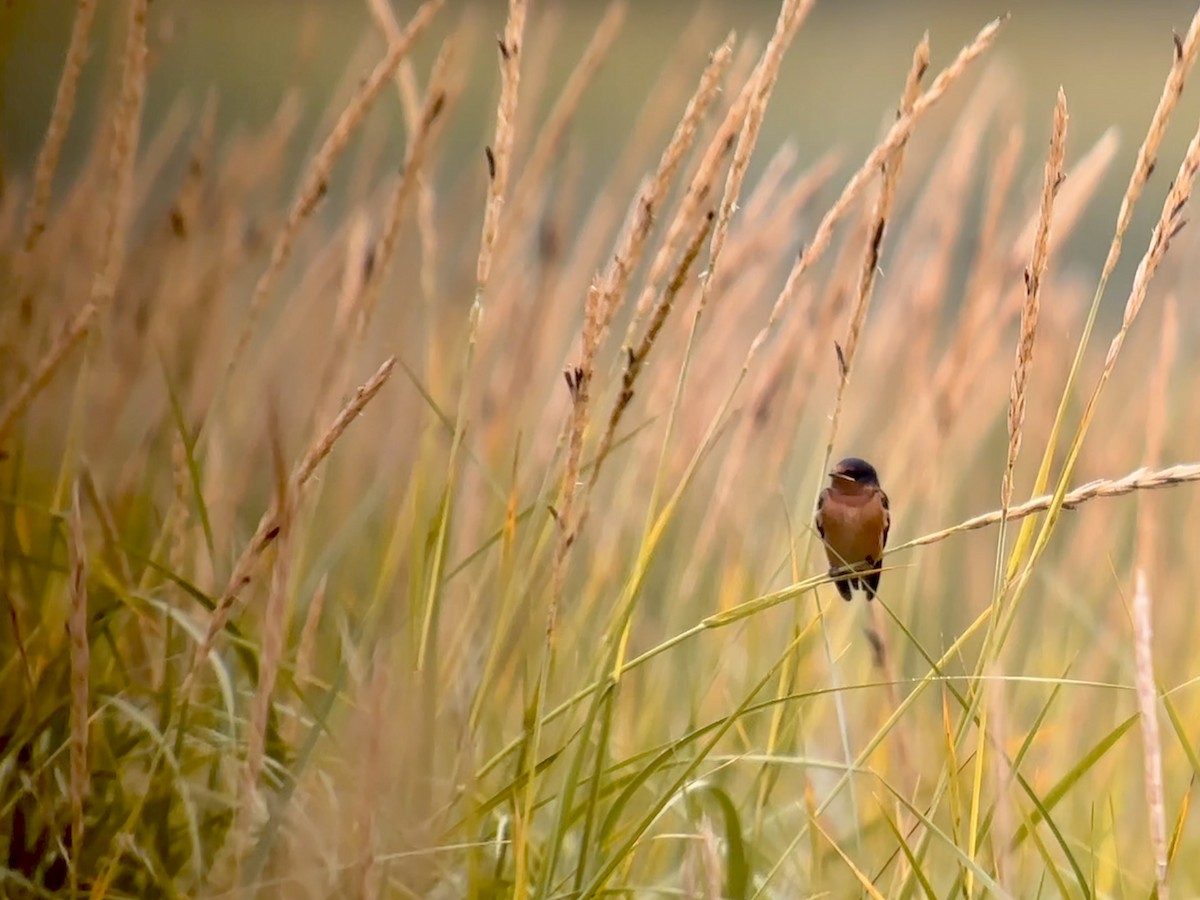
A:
838, 86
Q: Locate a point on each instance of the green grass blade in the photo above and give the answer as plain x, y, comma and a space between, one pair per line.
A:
188, 441
1064, 785
916, 872
964, 858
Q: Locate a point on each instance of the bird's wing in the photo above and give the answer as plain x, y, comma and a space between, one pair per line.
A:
819, 518
887, 516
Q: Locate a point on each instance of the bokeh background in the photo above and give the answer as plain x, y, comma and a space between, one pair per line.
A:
838, 83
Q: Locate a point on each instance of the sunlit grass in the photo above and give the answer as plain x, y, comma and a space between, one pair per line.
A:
453, 539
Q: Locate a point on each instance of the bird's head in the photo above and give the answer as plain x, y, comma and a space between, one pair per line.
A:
853, 470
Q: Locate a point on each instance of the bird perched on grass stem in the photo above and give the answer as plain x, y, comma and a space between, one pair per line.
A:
853, 519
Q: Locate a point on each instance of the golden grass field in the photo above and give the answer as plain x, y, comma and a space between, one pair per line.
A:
450, 538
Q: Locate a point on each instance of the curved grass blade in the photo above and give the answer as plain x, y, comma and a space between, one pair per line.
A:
189, 451
737, 867
931, 826
858, 873
1063, 786
655, 809
914, 863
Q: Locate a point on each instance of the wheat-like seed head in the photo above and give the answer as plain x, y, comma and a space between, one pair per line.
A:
1139, 480
792, 14
499, 155
320, 167
703, 180
126, 128
549, 140
896, 136
268, 526
1186, 51
1034, 274
60, 120
420, 140
411, 107
882, 211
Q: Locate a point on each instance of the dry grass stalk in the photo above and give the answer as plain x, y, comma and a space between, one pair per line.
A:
306, 649
1030, 308
988, 317
274, 629
1170, 223
548, 144
1081, 184
636, 358
407, 182
640, 218
771, 184
698, 188
348, 319
156, 153
269, 524
605, 209
1003, 172
45, 369
712, 861
1147, 695
890, 165
1033, 294
605, 295
579, 384
1186, 51
316, 177
60, 120
376, 691
926, 252
881, 214
411, 108
772, 210
77, 632
578, 380
791, 15
868, 268
186, 206
1142, 479
540, 78
426, 199
935, 204
896, 136
1147, 548
499, 154
987, 268
1156, 414
499, 162
123, 154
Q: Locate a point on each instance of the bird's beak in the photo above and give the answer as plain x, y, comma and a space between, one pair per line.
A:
841, 476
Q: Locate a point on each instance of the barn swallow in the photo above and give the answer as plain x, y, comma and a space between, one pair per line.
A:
853, 518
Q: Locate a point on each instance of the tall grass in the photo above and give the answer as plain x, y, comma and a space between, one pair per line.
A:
318, 580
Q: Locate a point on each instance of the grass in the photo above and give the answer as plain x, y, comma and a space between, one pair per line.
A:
452, 538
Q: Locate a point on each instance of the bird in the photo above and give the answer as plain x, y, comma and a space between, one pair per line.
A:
853, 519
